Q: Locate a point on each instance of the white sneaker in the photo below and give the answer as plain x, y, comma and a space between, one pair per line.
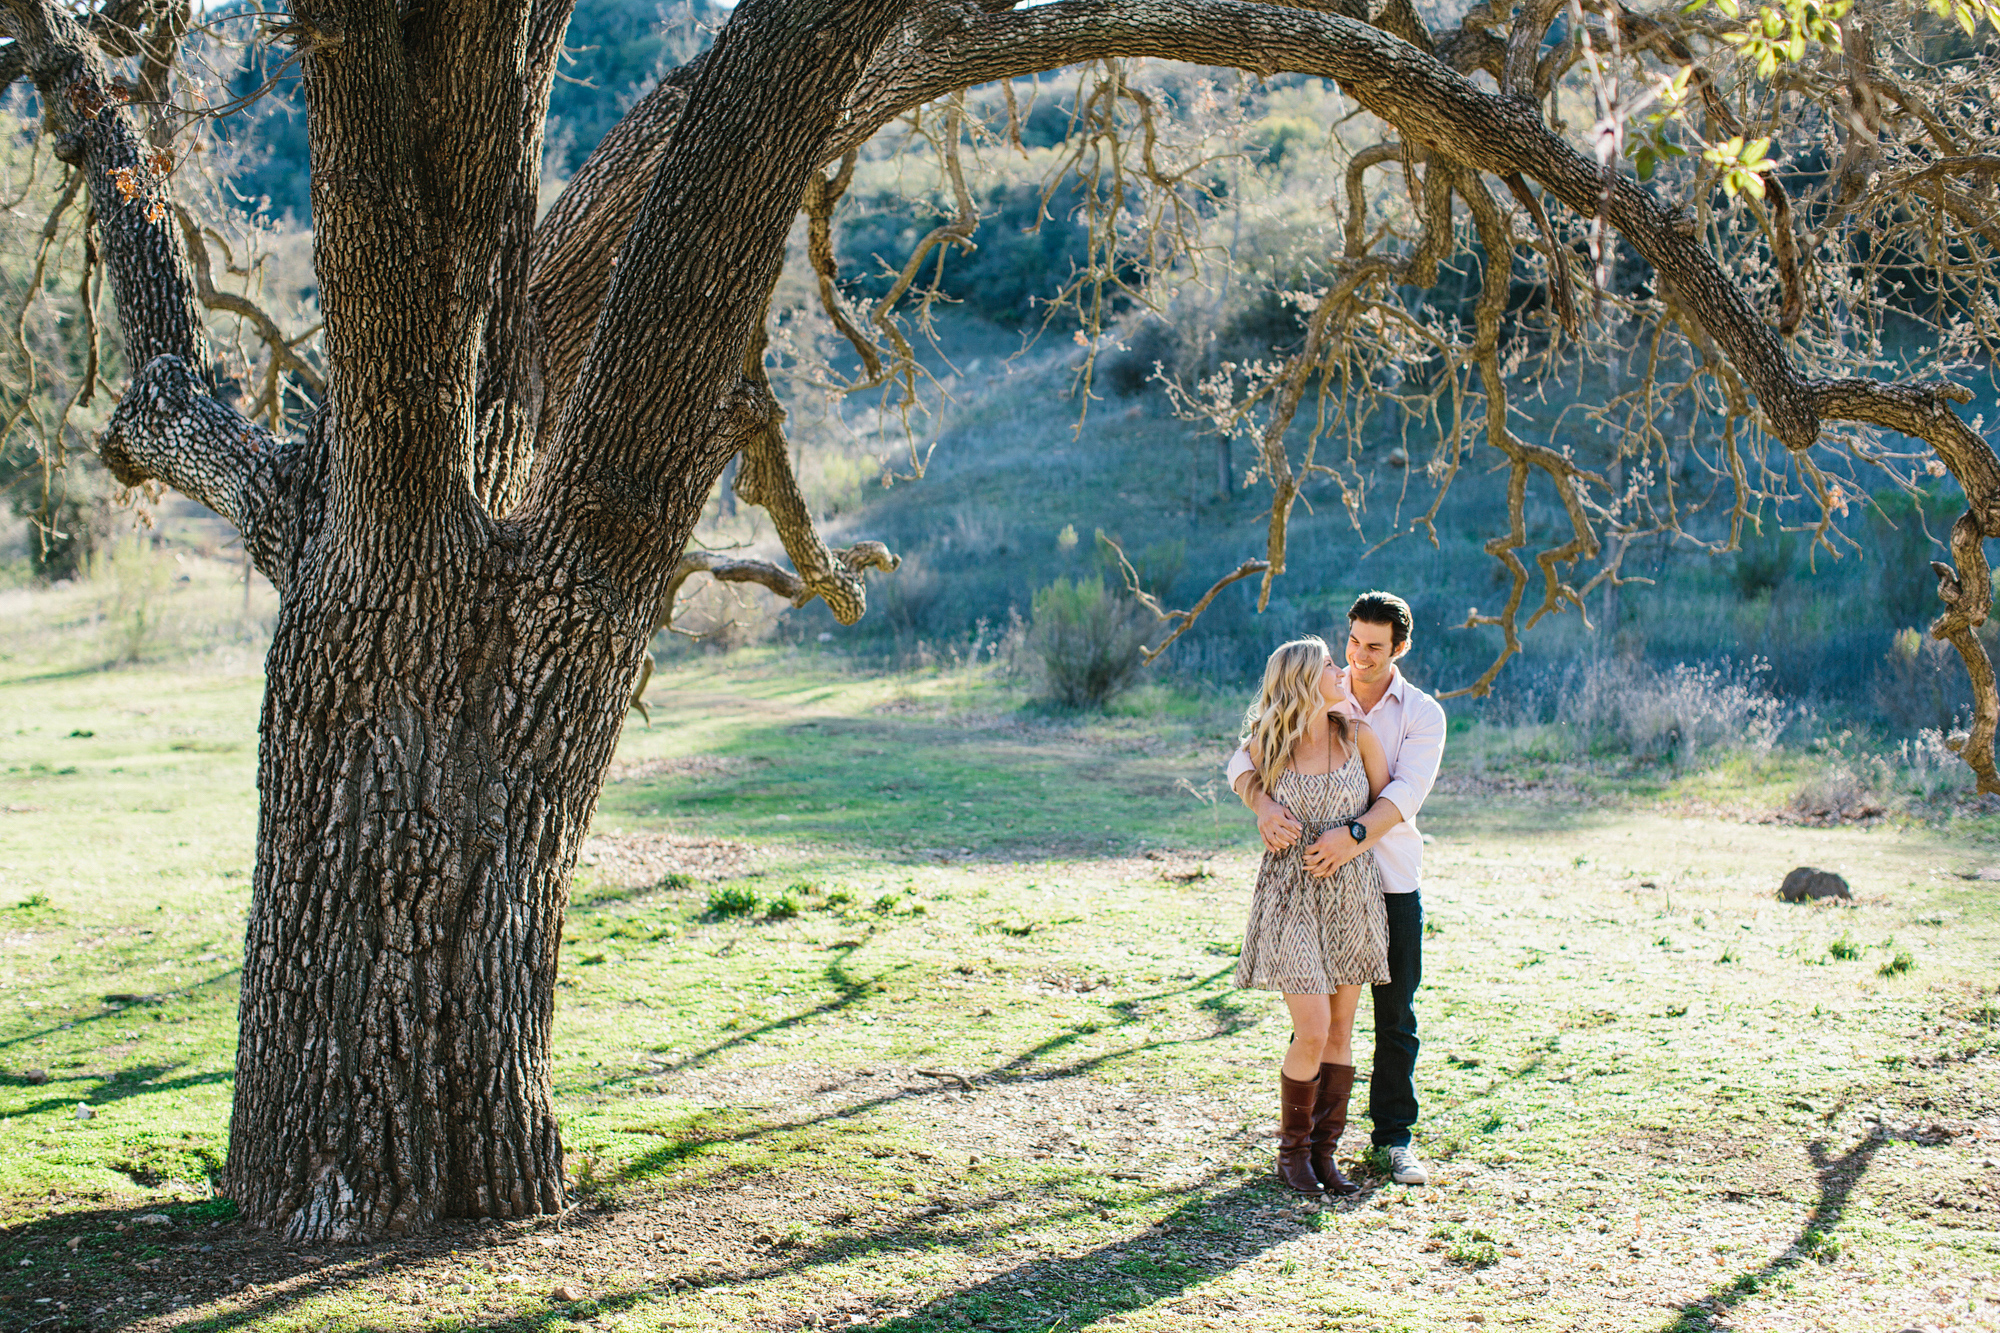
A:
1406, 1168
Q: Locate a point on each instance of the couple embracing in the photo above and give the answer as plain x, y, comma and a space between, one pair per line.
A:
1335, 765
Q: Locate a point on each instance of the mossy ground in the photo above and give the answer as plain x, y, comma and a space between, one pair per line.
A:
992, 1073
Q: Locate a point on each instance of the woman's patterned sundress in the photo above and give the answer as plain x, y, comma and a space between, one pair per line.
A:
1308, 935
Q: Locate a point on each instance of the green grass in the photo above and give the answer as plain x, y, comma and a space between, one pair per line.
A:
1631, 1134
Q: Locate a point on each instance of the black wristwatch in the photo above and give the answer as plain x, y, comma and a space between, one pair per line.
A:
1358, 831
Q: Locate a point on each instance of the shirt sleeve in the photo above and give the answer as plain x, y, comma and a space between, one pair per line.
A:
1417, 761
1239, 764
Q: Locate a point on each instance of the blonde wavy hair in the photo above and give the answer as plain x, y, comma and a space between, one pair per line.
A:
1286, 704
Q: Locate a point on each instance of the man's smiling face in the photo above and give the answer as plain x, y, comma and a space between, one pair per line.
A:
1370, 652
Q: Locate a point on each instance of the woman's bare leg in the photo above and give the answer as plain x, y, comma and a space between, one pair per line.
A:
1338, 1049
1336, 1085
1312, 1020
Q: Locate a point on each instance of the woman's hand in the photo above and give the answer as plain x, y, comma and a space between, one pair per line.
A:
1275, 824
1334, 849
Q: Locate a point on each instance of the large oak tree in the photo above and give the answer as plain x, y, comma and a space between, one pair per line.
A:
476, 531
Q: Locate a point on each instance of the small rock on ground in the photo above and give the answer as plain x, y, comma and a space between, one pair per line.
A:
1809, 884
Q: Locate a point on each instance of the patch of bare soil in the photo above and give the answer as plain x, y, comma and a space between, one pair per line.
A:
634, 860
1555, 790
1865, 814
686, 765
1178, 867
965, 1117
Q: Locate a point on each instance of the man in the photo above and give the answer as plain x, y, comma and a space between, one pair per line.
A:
1411, 727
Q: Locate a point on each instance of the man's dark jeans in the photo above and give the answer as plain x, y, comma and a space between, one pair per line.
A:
1392, 1089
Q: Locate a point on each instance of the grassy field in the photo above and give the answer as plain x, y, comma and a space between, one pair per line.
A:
892, 1003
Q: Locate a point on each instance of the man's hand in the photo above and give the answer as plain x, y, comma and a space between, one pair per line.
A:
1334, 849
1275, 824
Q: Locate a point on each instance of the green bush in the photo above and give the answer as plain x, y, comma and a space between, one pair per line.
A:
1844, 949
732, 901
839, 898
1901, 963
1087, 638
783, 908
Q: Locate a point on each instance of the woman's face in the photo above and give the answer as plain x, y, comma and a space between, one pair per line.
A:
1332, 685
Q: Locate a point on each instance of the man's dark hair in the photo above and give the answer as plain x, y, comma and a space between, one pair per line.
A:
1384, 608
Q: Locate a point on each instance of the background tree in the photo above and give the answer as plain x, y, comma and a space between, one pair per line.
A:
477, 529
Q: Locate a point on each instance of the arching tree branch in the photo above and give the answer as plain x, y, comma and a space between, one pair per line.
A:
764, 478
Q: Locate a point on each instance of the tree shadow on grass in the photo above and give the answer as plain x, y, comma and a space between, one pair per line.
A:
702, 1130
1213, 1228
1837, 1178
136, 1081
1205, 1233
116, 1006
1138, 1270
1226, 1008
1203, 1237
849, 990
1209, 1231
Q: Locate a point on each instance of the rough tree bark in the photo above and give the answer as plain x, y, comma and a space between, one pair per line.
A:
476, 534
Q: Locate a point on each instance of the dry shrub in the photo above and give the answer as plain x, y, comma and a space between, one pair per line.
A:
1681, 713
1088, 639
1839, 795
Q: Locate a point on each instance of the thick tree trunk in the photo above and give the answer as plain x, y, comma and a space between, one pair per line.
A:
468, 584
429, 764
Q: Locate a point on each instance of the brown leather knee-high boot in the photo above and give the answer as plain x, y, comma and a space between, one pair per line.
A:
1296, 1099
1329, 1121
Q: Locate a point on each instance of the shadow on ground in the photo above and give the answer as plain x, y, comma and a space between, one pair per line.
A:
1816, 1240
114, 1279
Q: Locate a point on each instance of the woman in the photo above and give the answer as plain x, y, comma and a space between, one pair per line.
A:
1316, 940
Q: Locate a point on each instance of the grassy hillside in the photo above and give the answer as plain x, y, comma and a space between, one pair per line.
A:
1015, 493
